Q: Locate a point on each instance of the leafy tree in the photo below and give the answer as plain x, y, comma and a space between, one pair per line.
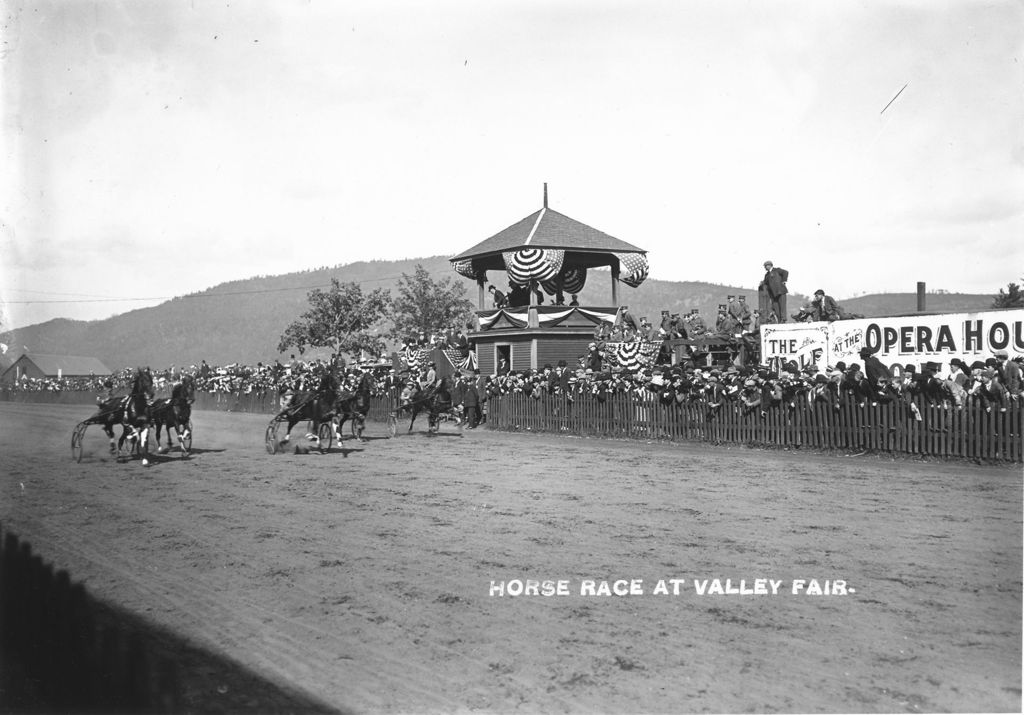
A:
426, 305
341, 318
1011, 298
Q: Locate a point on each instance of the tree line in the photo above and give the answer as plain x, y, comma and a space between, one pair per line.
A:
348, 320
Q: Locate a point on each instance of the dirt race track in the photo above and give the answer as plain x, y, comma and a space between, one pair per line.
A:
359, 580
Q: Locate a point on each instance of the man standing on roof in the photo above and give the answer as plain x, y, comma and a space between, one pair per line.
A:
774, 284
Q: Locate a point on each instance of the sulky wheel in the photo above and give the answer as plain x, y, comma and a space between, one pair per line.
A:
77, 441
272, 437
326, 435
392, 426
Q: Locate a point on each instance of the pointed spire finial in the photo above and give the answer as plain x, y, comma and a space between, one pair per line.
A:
545, 194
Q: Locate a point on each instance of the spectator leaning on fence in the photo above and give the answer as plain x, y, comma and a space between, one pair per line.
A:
1011, 374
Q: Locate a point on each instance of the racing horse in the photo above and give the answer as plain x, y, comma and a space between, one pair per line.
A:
354, 406
316, 407
176, 412
435, 401
137, 412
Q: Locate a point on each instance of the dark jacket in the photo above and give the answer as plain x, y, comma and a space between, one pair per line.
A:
775, 281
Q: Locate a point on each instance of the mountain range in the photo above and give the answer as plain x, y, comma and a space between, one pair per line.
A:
242, 321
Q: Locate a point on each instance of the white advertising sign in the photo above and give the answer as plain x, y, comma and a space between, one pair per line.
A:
912, 339
803, 343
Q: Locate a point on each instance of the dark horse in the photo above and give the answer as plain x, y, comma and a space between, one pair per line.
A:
315, 407
435, 401
354, 406
130, 411
175, 412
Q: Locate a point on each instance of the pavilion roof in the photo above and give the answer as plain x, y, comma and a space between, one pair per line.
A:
547, 228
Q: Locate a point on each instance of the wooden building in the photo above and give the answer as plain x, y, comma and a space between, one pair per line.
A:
550, 252
37, 367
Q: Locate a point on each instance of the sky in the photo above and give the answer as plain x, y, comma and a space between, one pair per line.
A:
156, 148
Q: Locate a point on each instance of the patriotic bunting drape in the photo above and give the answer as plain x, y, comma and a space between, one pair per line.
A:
633, 268
519, 319
573, 280
533, 264
631, 356
465, 268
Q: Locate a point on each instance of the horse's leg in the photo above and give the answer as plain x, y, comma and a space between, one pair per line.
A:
292, 421
159, 448
314, 430
109, 429
144, 445
124, 437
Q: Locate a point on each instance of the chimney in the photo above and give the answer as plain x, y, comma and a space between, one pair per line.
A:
920, 296
545, 194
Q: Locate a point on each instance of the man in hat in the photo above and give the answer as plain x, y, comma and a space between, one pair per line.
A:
720, 317
666, 322
471, 402
646, 331
626, 319
774, 285
1010, 373
697, 325
824, 306
739, 310
992, 392
727, 325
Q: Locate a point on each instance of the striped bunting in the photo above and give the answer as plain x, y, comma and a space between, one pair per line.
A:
573, 280
533, 264
465, 268
631, 356
633, 268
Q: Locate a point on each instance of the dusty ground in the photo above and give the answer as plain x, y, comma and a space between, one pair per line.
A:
361, 577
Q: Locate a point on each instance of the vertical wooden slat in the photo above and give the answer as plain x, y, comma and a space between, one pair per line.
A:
969, 432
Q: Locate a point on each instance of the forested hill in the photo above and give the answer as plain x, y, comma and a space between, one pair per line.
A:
242, 321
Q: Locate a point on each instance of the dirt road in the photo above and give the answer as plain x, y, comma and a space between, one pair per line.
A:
363, 577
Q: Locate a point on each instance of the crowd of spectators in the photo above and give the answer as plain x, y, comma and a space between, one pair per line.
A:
995, 383
236, 379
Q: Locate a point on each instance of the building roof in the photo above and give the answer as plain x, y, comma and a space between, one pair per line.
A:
547, 228
52, 365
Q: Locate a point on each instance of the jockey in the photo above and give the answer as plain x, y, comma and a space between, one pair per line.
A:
108, 391
442, 396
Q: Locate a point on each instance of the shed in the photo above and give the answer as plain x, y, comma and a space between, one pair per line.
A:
39, 367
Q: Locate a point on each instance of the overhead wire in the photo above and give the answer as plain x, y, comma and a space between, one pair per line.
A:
255, 291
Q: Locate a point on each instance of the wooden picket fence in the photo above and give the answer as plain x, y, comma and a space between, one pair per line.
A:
970, 432
66, 653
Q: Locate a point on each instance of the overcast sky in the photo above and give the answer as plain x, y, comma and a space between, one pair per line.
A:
157, 148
